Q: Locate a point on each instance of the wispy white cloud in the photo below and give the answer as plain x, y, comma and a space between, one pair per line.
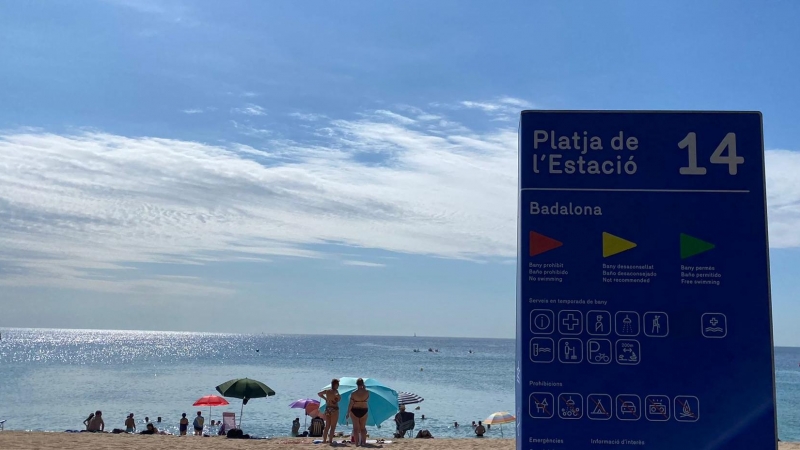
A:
351, 262
418, 113
198, 110
85, 209
308, 117
241, 93
395, 117
250, 110
249, 130
516, 102
783, 197
488, 107
502, 109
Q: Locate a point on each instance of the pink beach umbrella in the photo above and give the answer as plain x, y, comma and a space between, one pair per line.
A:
310, 406
210, 400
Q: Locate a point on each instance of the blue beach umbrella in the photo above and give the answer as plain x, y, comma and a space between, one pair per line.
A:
382, 404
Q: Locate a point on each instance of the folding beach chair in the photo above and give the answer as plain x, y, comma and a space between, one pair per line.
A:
228, 421
405, 424
316, 428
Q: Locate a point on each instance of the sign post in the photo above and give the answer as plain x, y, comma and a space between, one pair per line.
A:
643, 309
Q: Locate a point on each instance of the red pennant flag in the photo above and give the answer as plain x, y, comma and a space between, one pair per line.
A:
541, 243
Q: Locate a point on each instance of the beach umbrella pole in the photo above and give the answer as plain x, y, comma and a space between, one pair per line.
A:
241, 413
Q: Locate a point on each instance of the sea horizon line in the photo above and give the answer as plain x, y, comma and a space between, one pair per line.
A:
231, 333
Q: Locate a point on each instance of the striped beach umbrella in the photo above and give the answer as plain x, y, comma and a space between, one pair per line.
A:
407, 398
499, 418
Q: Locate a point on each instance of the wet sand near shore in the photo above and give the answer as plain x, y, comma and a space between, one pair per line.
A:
14, 440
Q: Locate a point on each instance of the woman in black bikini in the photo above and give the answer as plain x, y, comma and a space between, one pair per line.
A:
331, 397
357, 410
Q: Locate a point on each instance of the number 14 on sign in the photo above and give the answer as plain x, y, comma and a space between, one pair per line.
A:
728, 143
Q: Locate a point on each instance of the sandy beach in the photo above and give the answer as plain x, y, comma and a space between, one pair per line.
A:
68, 441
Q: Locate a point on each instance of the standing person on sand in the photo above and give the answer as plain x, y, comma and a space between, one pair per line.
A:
130, 424
183, 425
332, 398
198, 424
358, 410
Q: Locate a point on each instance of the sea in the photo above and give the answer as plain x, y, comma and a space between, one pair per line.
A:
50, 380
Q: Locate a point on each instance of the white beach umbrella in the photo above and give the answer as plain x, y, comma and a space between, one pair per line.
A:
499, 418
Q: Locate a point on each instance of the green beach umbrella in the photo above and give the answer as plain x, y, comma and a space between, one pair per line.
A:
245, 389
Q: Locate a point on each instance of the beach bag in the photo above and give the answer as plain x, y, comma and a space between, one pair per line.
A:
424, 434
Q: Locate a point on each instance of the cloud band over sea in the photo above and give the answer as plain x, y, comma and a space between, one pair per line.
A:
406, 181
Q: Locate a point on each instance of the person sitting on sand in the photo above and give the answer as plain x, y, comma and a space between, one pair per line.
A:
404, 422
97, 424
198, 424
151, 429
332, 398
183, 425
295, 427
130, 424
88, 419
480, 430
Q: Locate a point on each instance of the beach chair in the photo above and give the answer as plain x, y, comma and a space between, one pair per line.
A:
228, 422
405, 424
316, 428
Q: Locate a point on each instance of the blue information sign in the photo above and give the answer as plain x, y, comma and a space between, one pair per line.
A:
644, 317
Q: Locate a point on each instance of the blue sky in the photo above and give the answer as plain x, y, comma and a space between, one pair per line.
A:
334, 167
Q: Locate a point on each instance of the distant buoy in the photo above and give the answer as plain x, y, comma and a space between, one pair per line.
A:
420, 369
